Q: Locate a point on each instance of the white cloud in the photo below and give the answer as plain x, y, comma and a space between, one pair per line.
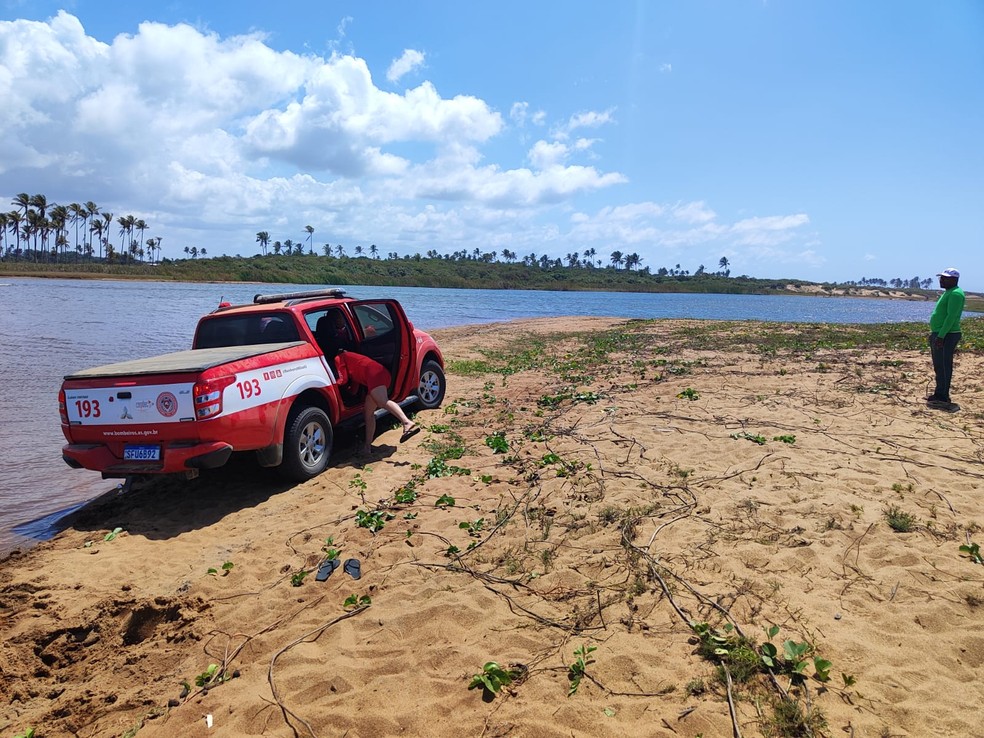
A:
212, 139
666, 68
408, 62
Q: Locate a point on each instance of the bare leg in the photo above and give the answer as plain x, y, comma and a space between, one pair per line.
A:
380, 399
369, 414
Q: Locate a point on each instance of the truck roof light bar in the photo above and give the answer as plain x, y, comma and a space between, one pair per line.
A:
283, 297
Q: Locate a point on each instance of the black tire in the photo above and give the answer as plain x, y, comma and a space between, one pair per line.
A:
431, 387
307, 444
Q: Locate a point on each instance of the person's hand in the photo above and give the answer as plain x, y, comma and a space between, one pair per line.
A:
939, 343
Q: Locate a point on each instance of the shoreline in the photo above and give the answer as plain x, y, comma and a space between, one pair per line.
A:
611, 480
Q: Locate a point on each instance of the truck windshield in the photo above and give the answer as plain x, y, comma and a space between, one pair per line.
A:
245, 330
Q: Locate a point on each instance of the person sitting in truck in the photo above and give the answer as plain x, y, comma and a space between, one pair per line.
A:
332, 334
360, 369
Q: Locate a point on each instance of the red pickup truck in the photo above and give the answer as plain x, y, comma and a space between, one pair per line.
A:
258, 377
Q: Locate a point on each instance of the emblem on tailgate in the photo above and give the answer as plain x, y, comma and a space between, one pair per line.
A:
167, 404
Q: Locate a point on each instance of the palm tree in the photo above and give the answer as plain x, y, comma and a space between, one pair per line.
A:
724, 264
327, 249
23, 202
107, 219
91, 211
358, 251
276, 247
374, 251
310, 232
340, 250
632, 260
288, 246
126, 228
589, 255
59, 221
78, 214
263, 238
96, 227
616, 259
141, 226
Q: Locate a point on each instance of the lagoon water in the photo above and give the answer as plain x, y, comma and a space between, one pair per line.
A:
53, 327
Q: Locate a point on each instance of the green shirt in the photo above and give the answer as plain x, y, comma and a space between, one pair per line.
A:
946, 315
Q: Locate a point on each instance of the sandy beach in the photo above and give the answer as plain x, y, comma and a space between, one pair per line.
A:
622, 515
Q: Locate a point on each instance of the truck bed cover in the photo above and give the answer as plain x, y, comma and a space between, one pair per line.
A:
194, 360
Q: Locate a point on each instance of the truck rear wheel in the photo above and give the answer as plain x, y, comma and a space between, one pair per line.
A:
307, 444
432, 385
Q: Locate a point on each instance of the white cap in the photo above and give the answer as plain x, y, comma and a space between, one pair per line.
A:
949, 272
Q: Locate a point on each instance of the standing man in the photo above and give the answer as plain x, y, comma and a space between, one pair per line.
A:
944, 326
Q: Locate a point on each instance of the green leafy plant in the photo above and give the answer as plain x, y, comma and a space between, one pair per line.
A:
452, 550
759, 439
973, 550
899, 520
577, 670
296, 580
357, 601
406, 494
790, 439
28, 733
372, 520
444, 501
688, 394
331, 553
474, 527
439, 467
492, 678
226, 568
497, 442
112, 534
210, 675
794, 660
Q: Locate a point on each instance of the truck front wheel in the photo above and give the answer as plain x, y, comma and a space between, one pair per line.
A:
432, 385
307, 444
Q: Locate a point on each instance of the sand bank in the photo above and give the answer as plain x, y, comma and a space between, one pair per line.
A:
600, 491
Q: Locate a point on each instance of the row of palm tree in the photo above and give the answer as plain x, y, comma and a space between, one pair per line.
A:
39, 231
574, 259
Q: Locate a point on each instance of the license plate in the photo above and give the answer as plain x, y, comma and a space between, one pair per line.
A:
142, 453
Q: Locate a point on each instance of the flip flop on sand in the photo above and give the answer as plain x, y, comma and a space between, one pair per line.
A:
326, 569
410, 432
353, 568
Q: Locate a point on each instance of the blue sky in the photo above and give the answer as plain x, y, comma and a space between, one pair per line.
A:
825, 140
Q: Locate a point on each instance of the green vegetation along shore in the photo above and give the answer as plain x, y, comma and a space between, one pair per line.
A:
437, 272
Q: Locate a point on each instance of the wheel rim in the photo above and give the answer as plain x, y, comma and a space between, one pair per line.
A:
429, 388
311, 445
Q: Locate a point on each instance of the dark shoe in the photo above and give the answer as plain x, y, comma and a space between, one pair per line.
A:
353, 568
326, 569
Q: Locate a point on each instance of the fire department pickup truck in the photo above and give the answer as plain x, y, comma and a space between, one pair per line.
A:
258, 377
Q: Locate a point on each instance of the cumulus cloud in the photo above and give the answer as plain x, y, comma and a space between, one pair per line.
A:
213, 138
408, 62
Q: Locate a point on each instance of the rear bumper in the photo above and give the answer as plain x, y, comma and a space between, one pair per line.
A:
174, 458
